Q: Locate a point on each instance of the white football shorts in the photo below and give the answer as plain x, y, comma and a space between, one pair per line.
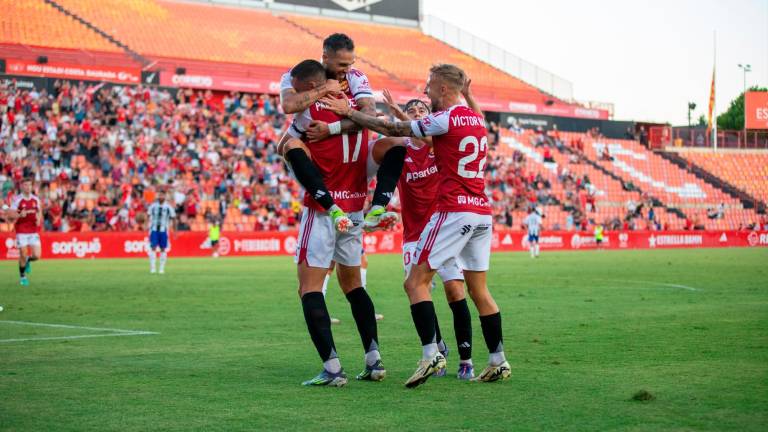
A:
24, 240
447, 272
319, 243
463, 236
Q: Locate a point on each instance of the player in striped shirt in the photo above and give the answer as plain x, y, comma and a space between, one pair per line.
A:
533, 223
160, 214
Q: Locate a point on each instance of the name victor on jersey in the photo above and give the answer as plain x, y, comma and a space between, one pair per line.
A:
467, 121
413, 176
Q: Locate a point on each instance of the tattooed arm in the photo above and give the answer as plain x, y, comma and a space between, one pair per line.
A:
381, 125
293, 102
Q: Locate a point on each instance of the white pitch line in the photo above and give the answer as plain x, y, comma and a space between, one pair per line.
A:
113, 331
660, 284
69, 326
78, 337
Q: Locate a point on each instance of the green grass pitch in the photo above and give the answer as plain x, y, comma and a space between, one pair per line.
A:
583, 332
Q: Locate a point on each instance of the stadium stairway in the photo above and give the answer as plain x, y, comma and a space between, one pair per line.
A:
133, 54
611, 197
747, 200
655, 200
674, 186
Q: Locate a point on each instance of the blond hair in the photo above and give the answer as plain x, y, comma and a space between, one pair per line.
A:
450, 74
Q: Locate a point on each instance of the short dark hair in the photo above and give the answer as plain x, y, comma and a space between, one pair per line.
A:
307, 69
417, 102
338, 41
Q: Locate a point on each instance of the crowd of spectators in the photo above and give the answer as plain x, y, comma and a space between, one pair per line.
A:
99, 153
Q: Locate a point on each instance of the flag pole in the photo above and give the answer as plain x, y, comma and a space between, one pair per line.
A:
714, 79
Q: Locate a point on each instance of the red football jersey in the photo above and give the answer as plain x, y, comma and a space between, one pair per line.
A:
460, 144
418, 187
341, 159
27, 224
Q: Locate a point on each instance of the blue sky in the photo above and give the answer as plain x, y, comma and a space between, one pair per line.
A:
647, 57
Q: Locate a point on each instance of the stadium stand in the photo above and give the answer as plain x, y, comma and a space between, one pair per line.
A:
176, 30
747, 170
585, 194
36, 23
101, 152
408, 53
702, 203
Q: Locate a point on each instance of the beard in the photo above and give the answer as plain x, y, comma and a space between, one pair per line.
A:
434, 105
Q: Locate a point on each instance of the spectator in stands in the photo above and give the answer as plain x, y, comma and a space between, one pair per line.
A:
548, 154
643, 136
605, 154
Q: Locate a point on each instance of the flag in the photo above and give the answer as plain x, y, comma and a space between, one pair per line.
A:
711, 103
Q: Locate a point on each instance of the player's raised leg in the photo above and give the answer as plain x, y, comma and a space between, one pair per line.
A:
389, 155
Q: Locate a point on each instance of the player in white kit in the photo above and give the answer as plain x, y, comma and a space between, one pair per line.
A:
461, 227
533, 224
160, 214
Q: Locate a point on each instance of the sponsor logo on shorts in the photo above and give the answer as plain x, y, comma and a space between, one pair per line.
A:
465, 229
343, 195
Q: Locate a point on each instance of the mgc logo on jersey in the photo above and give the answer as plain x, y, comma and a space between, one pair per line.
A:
470, 200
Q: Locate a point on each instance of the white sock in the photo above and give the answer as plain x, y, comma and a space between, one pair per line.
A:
428, 351
332, 365
325, 284
496, 359
466, 362
163, 258
363, 273
537, 249
441, 345
532, 248
152, 258
371, 357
